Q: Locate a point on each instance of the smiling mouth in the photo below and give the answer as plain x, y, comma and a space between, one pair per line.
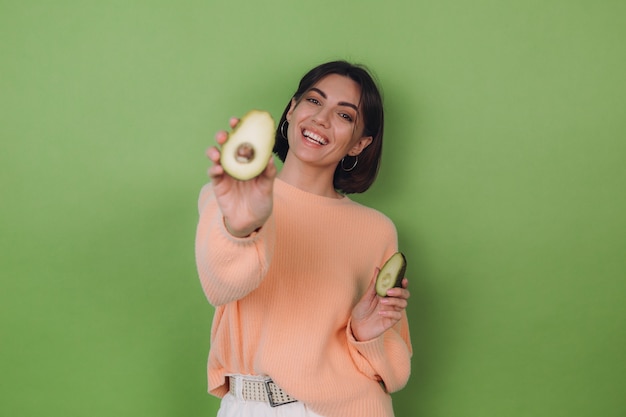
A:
314, 137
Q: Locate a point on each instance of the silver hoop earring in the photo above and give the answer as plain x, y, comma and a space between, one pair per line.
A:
356, 161
282, 129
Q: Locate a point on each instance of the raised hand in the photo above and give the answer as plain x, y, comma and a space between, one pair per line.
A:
373, 315
245, 205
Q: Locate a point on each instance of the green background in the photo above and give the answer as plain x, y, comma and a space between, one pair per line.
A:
504, 171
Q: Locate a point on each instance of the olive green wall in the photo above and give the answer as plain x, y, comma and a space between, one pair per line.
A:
503, 170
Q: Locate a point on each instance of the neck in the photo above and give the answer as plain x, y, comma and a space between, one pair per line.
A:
315, 180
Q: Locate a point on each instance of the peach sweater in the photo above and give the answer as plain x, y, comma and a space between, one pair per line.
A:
284, 297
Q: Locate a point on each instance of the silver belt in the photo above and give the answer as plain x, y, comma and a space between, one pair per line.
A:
257, 388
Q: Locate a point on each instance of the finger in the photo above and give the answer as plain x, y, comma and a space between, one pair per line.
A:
216, 171
233, 121
393, 292
390, 314
221, 137
270, 170
398, 293
213, 154
396, 304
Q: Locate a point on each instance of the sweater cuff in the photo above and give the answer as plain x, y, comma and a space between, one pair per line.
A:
251, 238
386, 359
366, 353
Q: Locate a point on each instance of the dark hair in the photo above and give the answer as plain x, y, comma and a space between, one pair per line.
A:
363, 175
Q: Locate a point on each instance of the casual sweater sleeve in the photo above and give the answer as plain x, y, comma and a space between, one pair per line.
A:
229, 267
386, 358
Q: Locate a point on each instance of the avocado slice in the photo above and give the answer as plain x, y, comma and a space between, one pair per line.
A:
247, 150
391, 274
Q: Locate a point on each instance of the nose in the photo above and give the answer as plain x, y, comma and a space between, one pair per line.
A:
322, 117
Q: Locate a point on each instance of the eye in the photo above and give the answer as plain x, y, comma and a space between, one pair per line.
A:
313, 100
346, 117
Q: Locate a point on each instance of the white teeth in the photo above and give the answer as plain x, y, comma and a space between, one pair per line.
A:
315, 137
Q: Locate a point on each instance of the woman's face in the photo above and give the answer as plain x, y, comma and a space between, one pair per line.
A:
326, 123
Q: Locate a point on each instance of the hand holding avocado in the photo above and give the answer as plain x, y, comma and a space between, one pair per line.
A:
384, 302
243, 172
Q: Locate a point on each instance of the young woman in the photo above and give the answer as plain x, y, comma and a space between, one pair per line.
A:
289, 262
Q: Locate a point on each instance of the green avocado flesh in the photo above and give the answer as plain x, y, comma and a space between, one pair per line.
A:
247, 150
391, 274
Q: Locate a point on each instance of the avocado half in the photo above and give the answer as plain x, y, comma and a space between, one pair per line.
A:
391, 274
247, 150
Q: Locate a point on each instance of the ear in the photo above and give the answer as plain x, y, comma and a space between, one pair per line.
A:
291, 109
361, 144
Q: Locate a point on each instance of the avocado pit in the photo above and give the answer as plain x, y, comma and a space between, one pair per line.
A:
245, 153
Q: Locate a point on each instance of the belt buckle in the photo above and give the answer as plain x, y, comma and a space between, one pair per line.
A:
270, 397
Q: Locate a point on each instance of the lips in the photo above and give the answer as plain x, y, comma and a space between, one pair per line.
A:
314, 137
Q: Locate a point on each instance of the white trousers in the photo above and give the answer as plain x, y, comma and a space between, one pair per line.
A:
232, 406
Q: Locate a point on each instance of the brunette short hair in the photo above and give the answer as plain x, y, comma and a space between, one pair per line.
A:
364, 173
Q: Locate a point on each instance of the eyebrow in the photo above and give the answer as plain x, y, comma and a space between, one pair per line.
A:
341, 103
